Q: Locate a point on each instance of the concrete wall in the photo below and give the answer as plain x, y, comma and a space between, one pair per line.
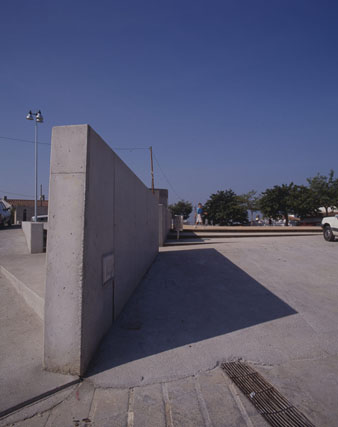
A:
102, 238
20, 214
161, 195
33, 232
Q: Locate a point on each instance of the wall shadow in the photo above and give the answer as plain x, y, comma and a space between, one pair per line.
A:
184, 236
187, 296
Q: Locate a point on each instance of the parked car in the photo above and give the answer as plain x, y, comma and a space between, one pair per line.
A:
5, 214
330, 227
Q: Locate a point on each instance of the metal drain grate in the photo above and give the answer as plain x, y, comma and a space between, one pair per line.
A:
277, 410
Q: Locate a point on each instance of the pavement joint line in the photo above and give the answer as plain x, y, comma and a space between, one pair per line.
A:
167, 406
202, 404
238, 401
130, 421
35, 399
92, 408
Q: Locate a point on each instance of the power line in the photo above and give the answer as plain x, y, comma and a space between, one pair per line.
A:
22, 140
131, 149
15, 194
166, 178
47, 143
114, 148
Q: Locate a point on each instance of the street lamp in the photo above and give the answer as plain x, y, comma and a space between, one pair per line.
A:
38, 119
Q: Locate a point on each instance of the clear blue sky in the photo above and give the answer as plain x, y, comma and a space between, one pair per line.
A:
230, 94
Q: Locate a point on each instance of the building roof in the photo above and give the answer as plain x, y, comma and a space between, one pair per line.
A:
26, 203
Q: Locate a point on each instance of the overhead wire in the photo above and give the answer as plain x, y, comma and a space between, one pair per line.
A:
22, 140
47, 143
114, 148
166, 178
15, 194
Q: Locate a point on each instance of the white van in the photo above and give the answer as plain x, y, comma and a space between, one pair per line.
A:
330, 227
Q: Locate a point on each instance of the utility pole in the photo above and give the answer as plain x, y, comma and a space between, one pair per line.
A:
38, 119
152, 170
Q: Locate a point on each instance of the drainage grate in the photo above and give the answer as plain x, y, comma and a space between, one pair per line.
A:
277, 410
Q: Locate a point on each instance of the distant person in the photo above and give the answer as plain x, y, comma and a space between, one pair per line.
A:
199, 214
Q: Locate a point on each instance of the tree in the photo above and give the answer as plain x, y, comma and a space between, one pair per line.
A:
182, 207
226, 208
325, 190
303, 201
250, 201
276, 202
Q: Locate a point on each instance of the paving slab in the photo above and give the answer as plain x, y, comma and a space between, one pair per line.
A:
208, 399
74, 408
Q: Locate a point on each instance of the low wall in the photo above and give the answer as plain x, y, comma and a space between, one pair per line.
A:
102, 238
33, 232
164, 214
164, 224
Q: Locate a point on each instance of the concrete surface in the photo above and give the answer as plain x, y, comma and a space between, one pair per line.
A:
207, 399
26, 272
21, 349
102, 238
33, 232
271, 302
164, 222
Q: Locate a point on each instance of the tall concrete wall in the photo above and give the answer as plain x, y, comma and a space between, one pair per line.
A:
102, 238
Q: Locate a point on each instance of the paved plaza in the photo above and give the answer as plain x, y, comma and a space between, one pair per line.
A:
270, 301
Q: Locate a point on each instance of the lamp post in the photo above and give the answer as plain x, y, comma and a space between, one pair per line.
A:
38, 119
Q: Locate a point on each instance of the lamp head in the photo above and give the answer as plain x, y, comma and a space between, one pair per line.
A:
39, 117
29, 115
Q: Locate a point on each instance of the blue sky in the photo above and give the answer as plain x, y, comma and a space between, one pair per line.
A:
230, 94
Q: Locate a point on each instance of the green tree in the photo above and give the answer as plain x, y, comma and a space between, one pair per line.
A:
182, 207
303, 201
276, 202
250, 201
325, 190
226, 208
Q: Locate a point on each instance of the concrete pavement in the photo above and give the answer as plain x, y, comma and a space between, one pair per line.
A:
21, 372
269, 301
26, 272
206, 399
21, 333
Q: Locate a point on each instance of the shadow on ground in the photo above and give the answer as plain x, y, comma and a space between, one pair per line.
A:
172, 236
187, 296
